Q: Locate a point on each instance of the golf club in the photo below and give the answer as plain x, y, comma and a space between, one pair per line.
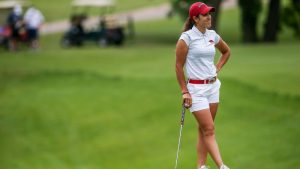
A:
180, 133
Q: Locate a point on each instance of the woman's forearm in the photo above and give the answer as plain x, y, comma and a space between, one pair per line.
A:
223, 59
225, 50
181, 78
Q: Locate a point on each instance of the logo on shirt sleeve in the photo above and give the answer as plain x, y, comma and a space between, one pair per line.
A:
211, 41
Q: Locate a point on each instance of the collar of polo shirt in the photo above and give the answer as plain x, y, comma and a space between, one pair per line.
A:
195, 29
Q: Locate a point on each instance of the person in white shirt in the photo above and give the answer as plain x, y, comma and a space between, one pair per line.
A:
195, 50
33, 19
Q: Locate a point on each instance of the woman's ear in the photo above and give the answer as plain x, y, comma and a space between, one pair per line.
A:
195, 19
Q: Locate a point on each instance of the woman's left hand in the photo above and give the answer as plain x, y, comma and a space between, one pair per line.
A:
187, 100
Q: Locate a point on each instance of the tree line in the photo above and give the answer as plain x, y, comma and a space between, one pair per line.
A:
250, 10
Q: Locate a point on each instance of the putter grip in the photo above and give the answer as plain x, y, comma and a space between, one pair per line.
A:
182, 115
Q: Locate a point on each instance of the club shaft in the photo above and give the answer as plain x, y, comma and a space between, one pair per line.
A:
180, 133
178, 147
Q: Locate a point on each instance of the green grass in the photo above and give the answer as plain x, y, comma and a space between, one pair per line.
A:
114, 107
63, 8
106, 109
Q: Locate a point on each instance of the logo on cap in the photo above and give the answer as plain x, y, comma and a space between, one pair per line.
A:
200, 5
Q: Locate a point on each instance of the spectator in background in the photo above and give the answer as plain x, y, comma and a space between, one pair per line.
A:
33, 19
14, 21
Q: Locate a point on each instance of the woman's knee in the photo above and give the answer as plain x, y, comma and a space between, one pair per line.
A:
208, 130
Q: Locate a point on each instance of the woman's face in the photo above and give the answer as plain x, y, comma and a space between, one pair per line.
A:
203, 20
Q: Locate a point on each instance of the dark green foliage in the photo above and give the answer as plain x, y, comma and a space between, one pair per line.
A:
291, 16
182, 6
250, 8
249, 14
272, 21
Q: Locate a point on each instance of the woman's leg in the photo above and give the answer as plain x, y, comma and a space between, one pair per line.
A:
201, 149
206, 127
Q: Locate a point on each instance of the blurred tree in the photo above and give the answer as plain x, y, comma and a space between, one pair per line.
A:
182, 8
291, 16
250, 11
272, 22
215, 15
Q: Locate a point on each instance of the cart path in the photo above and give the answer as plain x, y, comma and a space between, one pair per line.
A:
143, 14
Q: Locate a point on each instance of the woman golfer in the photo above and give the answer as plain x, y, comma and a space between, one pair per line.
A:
195, 50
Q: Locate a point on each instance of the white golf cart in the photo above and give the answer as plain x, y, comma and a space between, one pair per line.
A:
108, 29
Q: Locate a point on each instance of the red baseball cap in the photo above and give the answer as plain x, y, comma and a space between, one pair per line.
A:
200, 8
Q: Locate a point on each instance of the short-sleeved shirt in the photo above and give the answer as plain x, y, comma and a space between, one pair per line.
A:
33, 18
200, 57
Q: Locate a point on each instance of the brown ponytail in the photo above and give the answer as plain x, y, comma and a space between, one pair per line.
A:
188, 24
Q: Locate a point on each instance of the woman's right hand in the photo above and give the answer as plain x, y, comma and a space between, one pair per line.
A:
187, 100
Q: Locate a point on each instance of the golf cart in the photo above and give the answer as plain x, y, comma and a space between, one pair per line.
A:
108, 30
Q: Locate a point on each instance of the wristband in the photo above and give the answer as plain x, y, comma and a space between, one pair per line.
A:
185, 92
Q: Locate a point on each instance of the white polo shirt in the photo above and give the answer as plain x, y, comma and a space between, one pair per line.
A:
200, 58
33, 18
